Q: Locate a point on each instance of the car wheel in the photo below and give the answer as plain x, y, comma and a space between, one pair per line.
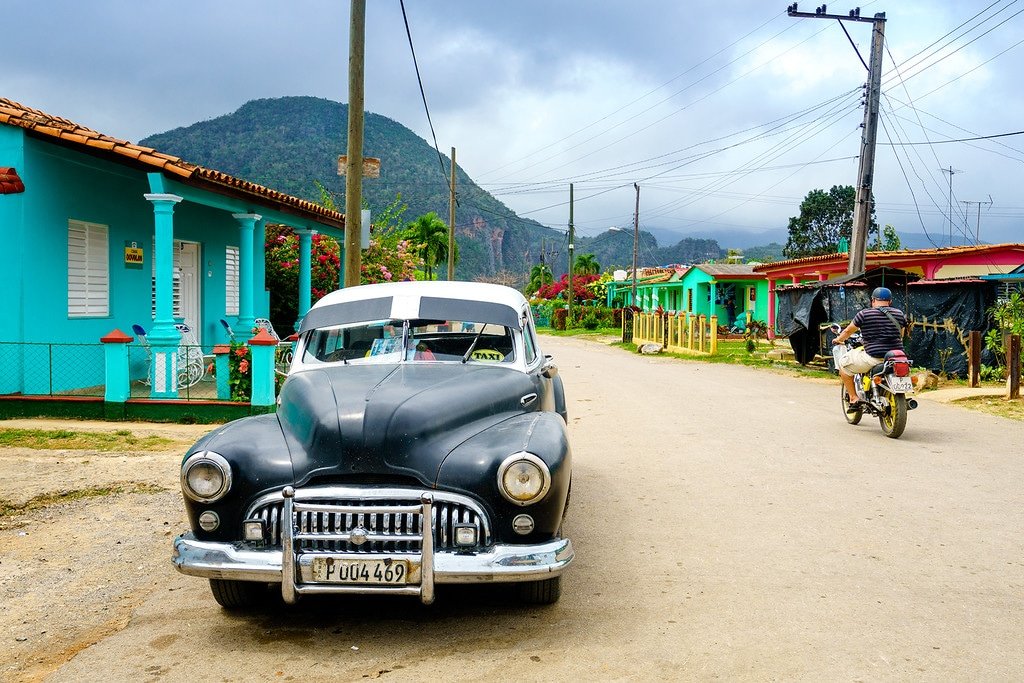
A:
238, 594
544, 592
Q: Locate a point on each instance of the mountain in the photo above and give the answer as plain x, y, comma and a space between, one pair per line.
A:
289, 143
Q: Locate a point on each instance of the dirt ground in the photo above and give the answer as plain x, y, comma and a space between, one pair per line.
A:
56, 562
728, 525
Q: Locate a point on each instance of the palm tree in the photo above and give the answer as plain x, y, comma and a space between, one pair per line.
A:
540, 275
429, 237
586, 264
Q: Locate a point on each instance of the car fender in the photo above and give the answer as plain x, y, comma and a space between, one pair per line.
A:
472, 468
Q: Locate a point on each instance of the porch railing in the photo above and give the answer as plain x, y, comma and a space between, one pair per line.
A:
39, 369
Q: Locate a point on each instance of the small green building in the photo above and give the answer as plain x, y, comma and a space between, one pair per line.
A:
726, 290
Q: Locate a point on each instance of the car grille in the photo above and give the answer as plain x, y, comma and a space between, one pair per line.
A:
448, 510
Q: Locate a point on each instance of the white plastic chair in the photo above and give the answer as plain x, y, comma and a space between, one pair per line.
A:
191, 361
283, 357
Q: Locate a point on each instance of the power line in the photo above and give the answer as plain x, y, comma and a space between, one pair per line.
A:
946, 142
423, 94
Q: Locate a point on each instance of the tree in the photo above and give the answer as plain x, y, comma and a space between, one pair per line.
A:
888, 241
825, 218
428, 235
586, 264
540, 275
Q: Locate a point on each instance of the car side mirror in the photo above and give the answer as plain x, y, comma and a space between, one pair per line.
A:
549, 369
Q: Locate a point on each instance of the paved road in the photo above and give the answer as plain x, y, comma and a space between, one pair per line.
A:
728, 524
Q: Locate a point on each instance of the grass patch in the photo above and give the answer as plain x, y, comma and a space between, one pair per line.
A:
582, 332
995, 405
734, 352
9, 509
55, 439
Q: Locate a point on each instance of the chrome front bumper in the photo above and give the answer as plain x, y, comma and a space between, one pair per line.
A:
499, 564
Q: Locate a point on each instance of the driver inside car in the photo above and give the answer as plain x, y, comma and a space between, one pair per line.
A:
882, 328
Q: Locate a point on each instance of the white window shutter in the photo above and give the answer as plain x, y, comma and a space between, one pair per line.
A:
88, 270
231, 281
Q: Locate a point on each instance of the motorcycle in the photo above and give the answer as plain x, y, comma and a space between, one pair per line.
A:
882, 391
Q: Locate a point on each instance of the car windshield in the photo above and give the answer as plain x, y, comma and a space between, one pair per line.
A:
393, 341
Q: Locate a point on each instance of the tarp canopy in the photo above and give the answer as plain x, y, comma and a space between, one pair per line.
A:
942, 313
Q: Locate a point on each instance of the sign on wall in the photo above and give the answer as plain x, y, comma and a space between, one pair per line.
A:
133, 256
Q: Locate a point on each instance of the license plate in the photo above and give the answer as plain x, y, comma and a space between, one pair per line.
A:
901, 384
337, 570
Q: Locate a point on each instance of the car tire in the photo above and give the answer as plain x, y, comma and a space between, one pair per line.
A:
238, 594
544, 592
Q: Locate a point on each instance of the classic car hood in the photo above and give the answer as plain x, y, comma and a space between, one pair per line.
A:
392, 419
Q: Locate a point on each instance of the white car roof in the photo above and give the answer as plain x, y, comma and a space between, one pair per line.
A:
404, 299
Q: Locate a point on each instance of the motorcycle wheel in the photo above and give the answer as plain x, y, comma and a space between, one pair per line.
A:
894, 419
854, 417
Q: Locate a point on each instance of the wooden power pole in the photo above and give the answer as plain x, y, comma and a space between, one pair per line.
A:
354, 161
866, 166
571, 247
451, 222
636, 240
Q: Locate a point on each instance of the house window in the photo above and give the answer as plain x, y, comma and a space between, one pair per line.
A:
175, 287
689, 301
231, 281
88, 270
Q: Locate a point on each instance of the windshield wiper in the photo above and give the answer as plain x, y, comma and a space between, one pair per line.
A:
472, 347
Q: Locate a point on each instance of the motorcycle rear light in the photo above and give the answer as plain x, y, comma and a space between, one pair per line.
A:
901, 369
877, 379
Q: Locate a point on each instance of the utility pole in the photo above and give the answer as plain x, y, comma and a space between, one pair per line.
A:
949, 211
977, 225
636, 240
451, 222
866, 165
571, 247
354, 161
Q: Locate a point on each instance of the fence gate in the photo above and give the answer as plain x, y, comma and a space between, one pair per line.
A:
627, 325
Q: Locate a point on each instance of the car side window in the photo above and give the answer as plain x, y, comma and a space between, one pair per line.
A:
529, 341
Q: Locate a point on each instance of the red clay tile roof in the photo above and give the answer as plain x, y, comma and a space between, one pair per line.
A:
10, 183
876, 257
74, 135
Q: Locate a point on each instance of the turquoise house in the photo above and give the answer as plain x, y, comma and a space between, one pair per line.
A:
704, 289
100, 234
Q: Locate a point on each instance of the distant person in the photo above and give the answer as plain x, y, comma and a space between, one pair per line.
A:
730, 310
882, 328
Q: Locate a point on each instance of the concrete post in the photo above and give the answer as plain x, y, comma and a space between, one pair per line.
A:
222, 371
164, 338
246, 295
115, 353
262, 346
305, 273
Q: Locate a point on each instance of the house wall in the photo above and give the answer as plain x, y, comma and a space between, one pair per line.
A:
49, 350
12, 315
62, 185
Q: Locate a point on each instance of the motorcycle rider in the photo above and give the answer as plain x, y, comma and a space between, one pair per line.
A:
882, 328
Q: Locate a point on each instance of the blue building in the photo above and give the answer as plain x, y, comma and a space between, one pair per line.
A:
99, 234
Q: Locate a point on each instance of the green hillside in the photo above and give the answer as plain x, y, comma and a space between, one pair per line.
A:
290, 143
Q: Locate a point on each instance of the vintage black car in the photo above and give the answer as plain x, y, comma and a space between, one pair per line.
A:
420, 439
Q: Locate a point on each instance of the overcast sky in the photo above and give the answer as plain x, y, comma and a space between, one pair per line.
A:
725, 113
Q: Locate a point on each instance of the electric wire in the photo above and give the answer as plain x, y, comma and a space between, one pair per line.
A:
423, 95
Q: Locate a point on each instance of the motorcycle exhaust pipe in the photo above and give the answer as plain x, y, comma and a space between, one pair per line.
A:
911, 403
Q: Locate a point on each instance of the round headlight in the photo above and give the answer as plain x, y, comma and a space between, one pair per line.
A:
205, 477
523, 478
